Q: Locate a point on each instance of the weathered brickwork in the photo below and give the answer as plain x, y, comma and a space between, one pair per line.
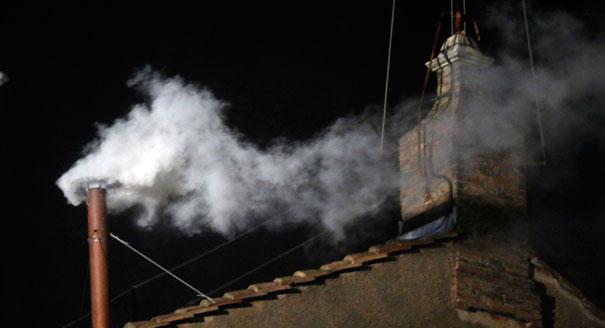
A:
448, 157
427, 165
434, 173
492, 178
498, 284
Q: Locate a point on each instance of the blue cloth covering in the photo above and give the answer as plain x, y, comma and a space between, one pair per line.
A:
437, 227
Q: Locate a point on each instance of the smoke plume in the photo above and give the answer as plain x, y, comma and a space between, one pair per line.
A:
568, 85
176, 157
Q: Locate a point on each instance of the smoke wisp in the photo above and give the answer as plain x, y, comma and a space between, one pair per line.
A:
569, 82
176, 157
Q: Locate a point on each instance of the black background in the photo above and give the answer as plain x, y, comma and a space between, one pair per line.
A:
288, 69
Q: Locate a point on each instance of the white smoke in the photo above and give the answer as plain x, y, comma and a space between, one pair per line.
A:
176, 157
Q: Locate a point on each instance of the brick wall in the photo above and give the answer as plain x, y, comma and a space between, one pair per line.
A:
455, 154
498, 284
427, 166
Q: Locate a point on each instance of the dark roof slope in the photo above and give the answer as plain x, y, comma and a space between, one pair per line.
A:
288, 284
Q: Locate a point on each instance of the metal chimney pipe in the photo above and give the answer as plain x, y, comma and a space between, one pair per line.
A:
97, 247
458, 22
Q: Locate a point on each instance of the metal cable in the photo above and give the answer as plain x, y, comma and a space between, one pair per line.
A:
77, 320
429, 68
386, 86
197, 257
191, 260
420, 129
199, 293
229, 283
534, 82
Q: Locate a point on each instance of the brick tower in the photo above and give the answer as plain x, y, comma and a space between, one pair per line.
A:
452, 166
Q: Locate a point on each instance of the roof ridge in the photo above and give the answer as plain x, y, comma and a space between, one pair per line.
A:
547, 275
350, 262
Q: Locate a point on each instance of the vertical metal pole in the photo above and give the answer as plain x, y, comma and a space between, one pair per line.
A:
97, 247
452, 16
464, 13
458, 25
386, 84
534, 82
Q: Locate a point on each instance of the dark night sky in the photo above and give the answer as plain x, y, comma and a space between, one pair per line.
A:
287, 68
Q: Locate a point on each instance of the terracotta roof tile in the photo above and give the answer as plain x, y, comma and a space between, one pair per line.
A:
365, 257
340, 266
292, 280
220, 301
175, 316
197, 309
145, 324
311, 273
390, 248
268, 287
243, 294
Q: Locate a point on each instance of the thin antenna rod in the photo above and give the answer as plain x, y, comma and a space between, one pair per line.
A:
464, 13
534, 82
199, 293
386, 84
452, 17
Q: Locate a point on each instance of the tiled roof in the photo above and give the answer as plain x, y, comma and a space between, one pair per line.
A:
351, 262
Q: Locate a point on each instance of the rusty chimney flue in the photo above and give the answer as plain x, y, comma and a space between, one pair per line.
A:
458, 22
97, 246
